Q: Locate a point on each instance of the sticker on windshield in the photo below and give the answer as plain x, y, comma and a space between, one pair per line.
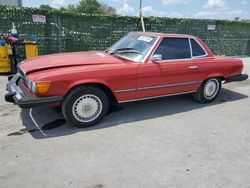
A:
145, 38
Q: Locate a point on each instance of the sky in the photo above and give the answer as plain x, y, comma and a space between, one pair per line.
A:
207, 9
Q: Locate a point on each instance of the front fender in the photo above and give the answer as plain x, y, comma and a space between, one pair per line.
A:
87, 81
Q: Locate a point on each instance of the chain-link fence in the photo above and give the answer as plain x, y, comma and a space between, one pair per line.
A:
64, 32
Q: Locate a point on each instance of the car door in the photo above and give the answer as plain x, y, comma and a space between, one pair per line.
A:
175, 73
207, 66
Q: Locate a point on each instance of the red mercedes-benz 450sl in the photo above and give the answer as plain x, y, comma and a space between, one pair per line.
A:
139, 66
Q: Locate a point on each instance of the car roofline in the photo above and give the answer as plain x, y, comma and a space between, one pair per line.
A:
163, 34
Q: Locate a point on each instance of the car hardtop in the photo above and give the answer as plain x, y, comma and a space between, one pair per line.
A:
155, 34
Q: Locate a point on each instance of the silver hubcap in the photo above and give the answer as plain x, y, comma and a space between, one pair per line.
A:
87, 108
211, 88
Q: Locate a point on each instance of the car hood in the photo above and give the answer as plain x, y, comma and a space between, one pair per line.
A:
67, 60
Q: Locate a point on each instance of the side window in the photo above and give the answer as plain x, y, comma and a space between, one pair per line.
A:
174, 48
196, 49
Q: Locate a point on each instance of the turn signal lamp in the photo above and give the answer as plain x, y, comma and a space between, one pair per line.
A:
42, 87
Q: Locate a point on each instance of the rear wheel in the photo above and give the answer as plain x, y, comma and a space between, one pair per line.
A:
208, 90
85, 106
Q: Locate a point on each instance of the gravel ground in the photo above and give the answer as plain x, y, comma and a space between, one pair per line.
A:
166, 142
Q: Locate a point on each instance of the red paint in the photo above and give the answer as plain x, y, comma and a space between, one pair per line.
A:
68, 70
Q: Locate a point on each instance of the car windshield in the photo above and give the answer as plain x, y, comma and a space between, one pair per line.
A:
133, 46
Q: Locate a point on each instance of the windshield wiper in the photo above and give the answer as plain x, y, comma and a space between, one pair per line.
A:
126, 50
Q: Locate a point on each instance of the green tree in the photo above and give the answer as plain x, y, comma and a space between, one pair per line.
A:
46, 7
69, 8
108, 9
90, 7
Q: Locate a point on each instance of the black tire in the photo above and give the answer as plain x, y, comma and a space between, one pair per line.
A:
76, 97
201, 95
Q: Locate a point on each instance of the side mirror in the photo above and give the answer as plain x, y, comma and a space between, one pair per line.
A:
156, 57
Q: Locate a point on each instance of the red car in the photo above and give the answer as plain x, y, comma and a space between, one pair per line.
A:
139, 66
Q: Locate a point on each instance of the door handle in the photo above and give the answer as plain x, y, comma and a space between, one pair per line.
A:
193, 67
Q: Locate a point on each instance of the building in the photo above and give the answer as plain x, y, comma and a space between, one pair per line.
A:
11, 2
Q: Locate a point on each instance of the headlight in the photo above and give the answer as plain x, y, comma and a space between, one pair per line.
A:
31, 85
39, 87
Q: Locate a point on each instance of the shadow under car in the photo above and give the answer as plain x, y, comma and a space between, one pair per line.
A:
45, 122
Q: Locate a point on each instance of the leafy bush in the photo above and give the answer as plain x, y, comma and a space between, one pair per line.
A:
65, 31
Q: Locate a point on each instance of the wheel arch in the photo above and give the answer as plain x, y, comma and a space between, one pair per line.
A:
214, 76
94, 83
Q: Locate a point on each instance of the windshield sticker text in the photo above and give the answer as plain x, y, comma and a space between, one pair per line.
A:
145, 38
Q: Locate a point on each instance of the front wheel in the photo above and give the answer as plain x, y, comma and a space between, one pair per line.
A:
85, 106
208, 90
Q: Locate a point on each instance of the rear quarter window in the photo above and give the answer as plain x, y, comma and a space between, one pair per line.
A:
197, 50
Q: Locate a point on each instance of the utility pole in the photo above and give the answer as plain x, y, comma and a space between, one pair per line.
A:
141, 17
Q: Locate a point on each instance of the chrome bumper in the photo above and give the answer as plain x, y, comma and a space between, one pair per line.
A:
21, 96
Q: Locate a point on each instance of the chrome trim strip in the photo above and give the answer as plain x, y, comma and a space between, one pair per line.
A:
124, 90
174, 60
158, 96
190, 59
169, 85
157, 87
190, 47
201, 57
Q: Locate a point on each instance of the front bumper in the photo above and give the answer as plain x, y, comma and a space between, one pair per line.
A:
238, 78
20, 95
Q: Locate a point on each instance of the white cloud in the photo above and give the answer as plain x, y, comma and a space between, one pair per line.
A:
126, 9
175, 15
169, 2
215, 4
219, 9
229, 14
57, 3
149, 11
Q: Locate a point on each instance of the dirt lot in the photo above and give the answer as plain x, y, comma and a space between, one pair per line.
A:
167, 142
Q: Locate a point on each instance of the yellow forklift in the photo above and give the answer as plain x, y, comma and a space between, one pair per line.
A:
14, 49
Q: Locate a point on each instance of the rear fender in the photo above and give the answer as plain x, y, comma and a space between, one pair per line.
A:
215, 75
